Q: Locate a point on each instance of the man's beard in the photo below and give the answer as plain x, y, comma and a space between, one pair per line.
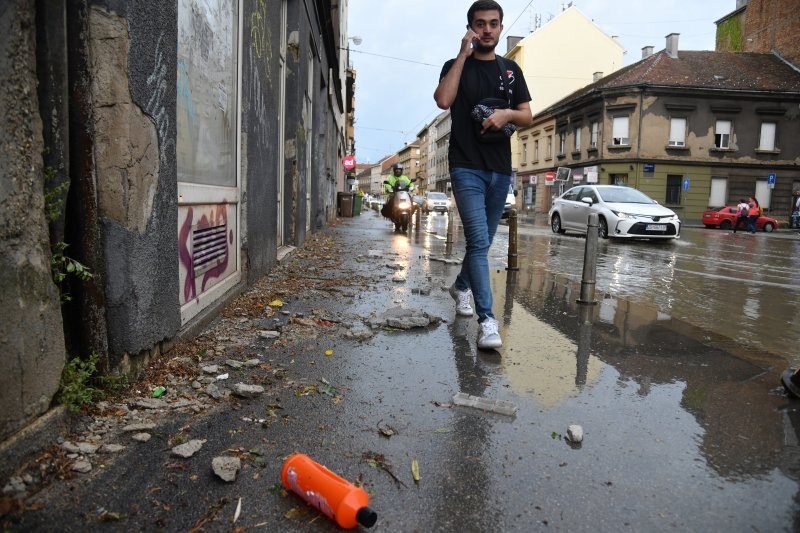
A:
484, 49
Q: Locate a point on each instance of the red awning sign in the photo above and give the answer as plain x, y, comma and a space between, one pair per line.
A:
349, 162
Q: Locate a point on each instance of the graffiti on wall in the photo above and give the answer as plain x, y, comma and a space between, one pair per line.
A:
205, 241
157, 82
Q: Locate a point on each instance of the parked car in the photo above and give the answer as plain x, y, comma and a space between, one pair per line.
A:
725, 218
511, 201
436, 201
623, 212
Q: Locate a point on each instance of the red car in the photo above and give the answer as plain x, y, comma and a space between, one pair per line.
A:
725, 218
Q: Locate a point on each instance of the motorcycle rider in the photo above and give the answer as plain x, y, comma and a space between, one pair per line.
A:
397, 176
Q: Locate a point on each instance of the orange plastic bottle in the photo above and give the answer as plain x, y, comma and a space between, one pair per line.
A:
335, 497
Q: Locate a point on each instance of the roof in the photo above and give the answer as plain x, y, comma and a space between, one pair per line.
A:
732, 71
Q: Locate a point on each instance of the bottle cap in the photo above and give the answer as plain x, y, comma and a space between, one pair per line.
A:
366, 517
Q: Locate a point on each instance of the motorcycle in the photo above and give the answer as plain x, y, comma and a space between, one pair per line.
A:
402, 207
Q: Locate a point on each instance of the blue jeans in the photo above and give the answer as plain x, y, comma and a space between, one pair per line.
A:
480, 196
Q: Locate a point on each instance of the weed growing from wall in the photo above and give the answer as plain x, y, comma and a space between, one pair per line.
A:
76, 389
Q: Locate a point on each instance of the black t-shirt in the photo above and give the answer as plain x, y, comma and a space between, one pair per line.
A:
482, 79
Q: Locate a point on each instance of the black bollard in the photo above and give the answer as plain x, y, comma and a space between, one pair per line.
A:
512, 241
589, 262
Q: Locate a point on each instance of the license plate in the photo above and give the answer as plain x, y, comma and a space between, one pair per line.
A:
656, 227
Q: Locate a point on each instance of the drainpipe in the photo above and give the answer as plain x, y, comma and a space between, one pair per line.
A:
639, 136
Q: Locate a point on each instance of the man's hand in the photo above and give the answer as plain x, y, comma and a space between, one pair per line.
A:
466, 43
496, 120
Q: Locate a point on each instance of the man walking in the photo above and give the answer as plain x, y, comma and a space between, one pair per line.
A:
488, 98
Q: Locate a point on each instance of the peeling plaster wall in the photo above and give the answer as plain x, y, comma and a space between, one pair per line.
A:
31, 337
133, 83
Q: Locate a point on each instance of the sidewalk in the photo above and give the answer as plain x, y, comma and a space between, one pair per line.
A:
350, 352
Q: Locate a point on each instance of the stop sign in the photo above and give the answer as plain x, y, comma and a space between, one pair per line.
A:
349, 162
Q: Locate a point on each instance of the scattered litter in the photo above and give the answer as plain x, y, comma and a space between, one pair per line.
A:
502, 407
158, 391
328, 353
415, 470
238, 510
222, 377
575, 433
386, 430
276, 303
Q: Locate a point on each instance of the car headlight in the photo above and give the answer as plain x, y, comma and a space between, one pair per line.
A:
621, 215
404, 205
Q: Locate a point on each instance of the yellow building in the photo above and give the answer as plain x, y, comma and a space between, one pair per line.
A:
567, 53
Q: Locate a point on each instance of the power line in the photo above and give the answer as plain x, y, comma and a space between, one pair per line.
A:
516, 19
395, 58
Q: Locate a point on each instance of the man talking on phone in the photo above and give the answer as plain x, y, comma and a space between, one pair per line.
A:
488, 99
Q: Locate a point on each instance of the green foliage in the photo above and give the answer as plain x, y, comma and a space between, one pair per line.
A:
76, 390
62, 266
53, 194
729, 35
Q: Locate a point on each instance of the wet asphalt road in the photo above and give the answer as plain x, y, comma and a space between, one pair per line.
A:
685, 425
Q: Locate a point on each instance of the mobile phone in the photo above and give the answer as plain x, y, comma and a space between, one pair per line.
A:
474, 42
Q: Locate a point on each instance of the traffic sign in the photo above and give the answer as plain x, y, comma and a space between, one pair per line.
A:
685, 184
771, 178
349, 162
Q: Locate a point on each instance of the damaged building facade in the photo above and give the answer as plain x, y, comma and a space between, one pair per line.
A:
176, 149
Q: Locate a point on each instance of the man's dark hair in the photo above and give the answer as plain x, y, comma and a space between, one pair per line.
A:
483, 5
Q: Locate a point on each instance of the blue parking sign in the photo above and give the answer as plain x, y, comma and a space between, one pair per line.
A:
771, 178
685, 184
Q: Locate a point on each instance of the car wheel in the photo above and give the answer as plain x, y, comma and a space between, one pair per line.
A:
725, 224
768, 227
602, 228
555, 224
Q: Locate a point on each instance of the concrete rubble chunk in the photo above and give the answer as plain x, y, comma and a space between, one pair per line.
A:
401, 318
252, 362
226, 467
213, 391
179, 403
15, 487
188, 449
143, 426
70, 447
210, 369
359, 331
196, 385
575, 433
247, 391
269, 334
142, 437
234, 364
82, 466
151, 403
87, 448
111, 448
502, 407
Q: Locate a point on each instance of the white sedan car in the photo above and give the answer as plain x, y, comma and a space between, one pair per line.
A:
623, 212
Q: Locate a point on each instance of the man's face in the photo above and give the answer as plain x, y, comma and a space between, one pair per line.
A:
488, 26
398, 171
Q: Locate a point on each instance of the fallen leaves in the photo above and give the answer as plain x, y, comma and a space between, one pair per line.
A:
415, 470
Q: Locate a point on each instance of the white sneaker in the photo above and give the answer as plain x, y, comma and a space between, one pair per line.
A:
463, 307
489, 337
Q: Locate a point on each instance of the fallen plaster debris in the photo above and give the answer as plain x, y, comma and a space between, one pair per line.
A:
502, 407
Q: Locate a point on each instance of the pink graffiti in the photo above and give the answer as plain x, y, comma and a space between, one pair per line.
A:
219, 215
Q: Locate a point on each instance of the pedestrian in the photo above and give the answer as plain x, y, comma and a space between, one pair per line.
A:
754, 213
794, 221
742, 210
488, 99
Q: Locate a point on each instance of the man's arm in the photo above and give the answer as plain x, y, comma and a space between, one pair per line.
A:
521, 116
447, 90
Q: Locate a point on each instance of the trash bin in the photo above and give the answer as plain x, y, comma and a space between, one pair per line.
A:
345, 204
357, 200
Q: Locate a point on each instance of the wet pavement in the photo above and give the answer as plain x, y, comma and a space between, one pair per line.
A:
674, 377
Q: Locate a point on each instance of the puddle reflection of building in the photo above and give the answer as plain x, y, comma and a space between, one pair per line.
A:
540, 361
728, 394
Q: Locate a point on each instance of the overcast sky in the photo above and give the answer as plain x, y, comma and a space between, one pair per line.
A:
405, 42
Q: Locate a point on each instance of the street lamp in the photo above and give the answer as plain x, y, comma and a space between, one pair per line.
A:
357, 40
